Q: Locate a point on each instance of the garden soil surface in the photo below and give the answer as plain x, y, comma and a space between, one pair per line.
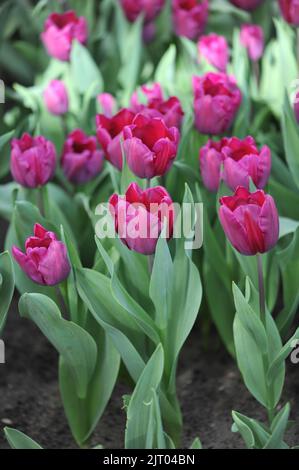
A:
209, 387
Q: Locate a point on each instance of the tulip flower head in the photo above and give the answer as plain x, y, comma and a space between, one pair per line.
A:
60, 30
250, 221
149, 8
252, 37
81, 160
247, 4
110, 133
217, 99
56, 98
290, 11
45, 260
169, 110
189, 17
234, 161
150, 146
140, 215
33, 160
214, 49
107, 103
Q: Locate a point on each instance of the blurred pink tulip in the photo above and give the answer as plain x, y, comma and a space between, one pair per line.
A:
33, 160
217, 99
214, 49
56, 98
60, 30
81, 160
252, 37
189, 17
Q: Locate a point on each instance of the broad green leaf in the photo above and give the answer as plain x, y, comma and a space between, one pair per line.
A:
19, 440
196, 444
244, 430
85, 72
139, 409
75, 345
4, 152
291, 139
84, 414
276, 439
7, 286
126, 300
161, 283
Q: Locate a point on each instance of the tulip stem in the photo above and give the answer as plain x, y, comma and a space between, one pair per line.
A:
297, 46
61, 302
40, 196
148, 183
261, 288
256, 71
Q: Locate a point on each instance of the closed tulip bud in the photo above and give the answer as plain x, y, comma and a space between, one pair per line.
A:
107, 103
56, 98
110, 133
250, 221
252, 37
214, 49
150, 146
81, 160
140, 215
290, 11
189, 17
33, 160
45, 260
170, 110
217, 99
149, 8
234, 161
247, 4
60, 30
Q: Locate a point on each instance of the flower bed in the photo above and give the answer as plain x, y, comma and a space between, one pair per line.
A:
149, 183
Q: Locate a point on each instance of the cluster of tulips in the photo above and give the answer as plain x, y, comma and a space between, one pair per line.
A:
140, 297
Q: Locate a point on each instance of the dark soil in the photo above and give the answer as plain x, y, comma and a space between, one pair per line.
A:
209, 387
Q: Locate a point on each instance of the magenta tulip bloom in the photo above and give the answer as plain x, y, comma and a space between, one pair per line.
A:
81, 160
149, 8
252, 37
150, 146
290, 11
139, 217
169, 110
250, 221
189, 17
45, 260
60, 31
107, 103
247, 4
110, 132
236, 161
217, 99
56, 98
33, 160
214, 49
